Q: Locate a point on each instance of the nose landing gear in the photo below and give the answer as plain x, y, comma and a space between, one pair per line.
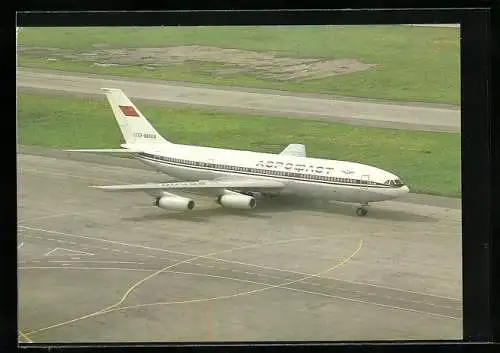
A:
362, 211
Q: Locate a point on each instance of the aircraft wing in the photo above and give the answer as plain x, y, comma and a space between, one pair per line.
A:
294, 150
239, 184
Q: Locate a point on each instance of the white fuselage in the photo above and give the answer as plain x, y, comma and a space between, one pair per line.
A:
302, 176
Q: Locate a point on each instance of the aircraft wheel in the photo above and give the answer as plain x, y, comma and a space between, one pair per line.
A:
361, 211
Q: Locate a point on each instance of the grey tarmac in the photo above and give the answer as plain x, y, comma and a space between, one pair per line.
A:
283, 104
100, 267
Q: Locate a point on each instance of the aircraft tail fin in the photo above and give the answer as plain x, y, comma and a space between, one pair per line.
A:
135, 128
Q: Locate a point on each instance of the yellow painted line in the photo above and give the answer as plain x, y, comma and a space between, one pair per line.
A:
113, 307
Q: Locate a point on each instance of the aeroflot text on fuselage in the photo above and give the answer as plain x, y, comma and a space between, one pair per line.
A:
296, 167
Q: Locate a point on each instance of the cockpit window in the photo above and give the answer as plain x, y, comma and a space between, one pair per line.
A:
394, 182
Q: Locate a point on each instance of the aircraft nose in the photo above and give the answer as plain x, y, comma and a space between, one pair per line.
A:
404, 189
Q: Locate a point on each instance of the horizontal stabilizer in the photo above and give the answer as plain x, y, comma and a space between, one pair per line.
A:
107, 150
242, 184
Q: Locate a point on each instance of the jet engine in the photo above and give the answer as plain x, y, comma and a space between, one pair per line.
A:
176, 203
235, 200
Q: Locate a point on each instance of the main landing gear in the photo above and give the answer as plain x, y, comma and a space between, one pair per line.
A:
362, 211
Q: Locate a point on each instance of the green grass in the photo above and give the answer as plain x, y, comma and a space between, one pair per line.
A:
413, 63
428, 161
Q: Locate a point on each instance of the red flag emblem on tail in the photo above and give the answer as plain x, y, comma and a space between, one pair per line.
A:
128, 110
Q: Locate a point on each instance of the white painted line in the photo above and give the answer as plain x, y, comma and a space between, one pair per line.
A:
233, 261
82, 268
106, 241
23, 336
332, 278
98, 262
254, 291
437, 305
392, 288
50, 252
44, 217
20, 246
69, 250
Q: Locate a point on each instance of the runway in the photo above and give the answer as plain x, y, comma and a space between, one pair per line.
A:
102, 267
283, 104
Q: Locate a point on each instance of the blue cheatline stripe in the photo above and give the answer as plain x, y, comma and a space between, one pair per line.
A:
210, 168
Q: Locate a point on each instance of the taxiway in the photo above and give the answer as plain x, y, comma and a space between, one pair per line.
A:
284, 104
100, 267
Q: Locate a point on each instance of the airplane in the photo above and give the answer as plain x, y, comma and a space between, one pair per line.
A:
237, 178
